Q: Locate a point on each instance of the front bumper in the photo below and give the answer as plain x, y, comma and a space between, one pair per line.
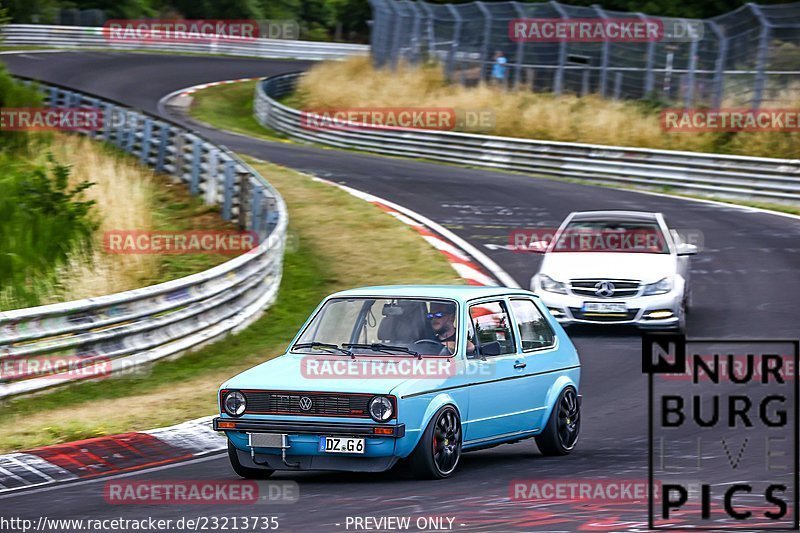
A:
301, 450
567, 309
309, 428
348, 463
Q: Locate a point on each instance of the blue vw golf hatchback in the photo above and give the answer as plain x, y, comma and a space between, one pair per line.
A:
414, 373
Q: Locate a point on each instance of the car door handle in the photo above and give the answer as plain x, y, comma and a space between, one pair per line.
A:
520, 364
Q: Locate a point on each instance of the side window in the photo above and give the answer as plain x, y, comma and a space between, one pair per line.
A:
534, 330
492, 328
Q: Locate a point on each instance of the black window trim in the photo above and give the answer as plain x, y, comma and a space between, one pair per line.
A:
516, 325
503, 300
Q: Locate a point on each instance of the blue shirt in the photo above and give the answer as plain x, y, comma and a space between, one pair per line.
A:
499, 68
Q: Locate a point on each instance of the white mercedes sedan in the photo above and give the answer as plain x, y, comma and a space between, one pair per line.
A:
615, 267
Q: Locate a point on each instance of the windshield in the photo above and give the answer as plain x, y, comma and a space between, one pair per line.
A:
382, 326
611, 236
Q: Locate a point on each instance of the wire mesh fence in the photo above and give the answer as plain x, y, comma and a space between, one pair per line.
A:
749, 57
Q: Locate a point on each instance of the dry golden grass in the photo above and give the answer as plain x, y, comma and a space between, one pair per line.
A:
590, 119
124, 195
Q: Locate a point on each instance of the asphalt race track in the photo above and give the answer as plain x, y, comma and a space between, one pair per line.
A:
746, 285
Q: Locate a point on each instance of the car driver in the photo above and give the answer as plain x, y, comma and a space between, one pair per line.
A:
443, 316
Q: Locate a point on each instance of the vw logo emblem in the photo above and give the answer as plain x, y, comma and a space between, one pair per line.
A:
305, 403
604, 289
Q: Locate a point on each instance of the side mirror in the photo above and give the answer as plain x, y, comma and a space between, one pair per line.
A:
687, 249
539, 247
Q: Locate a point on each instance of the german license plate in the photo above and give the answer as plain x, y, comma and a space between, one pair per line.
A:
341, 445
605, 307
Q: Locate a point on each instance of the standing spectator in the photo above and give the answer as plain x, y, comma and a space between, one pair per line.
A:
499, 69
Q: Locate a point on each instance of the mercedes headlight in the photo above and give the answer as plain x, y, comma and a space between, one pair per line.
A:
550, 285
662, 286
380, 408
234, 403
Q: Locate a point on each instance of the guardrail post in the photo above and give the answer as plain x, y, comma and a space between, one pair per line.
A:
108, 121
131, 128
761, 61
163, 140
244, 216
52, 98
94, 104
119, 133
228, 188
144, 156
255, 210
211, 179
197, 161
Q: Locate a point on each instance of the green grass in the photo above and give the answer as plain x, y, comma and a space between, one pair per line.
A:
230, 107
174, 209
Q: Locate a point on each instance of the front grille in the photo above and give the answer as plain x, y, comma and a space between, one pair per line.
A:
322, 404
578, 313
623, 288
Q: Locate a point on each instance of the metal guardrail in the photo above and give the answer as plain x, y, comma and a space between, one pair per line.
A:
724, 176
97, 336
94, 37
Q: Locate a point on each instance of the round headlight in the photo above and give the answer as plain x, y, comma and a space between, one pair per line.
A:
380, 408
234, 403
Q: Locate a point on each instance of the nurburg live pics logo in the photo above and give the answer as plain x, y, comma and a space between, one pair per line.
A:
723, 414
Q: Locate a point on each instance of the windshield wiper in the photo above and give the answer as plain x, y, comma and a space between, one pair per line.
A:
379, 347
324, 346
